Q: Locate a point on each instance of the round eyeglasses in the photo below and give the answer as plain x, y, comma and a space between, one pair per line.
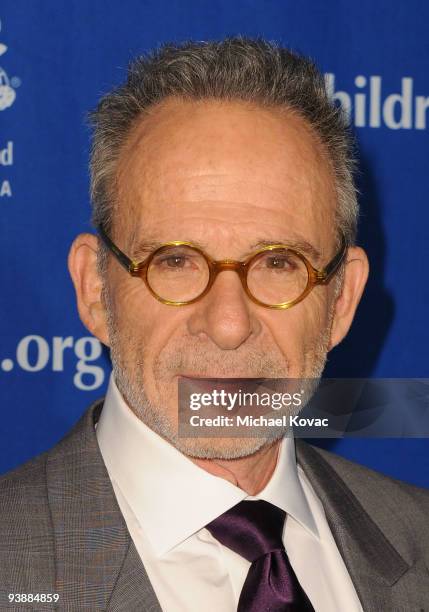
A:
179, 273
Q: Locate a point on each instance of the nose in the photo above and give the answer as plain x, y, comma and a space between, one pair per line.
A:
225, 314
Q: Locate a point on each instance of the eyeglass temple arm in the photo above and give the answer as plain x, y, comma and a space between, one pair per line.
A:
326, 274
125, 261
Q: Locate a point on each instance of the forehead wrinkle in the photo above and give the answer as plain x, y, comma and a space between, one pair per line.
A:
233, 188
150, 137
170, 177
147, 157
168, 211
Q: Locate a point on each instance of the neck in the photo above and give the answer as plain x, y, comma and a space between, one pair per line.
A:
250, 473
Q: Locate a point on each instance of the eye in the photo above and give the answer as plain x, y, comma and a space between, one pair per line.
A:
276, 262
283, 262
172, 261
181, 260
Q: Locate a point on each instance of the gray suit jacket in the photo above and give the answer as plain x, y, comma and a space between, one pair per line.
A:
61, 531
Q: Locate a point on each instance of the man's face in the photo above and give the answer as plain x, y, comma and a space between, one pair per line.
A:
227, 176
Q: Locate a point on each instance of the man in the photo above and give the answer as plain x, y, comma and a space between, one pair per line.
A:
218, 152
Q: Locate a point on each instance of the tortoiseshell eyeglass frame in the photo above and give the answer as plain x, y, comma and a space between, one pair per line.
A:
315, 276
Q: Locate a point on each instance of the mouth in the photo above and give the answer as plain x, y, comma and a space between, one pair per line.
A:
206, 383
193, 376
231, 379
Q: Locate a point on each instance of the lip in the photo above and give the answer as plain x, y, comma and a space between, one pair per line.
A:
214, 377
227, 382
210, 383
191, 375
210, 376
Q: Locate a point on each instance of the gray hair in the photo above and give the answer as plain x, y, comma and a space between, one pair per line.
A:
252, 70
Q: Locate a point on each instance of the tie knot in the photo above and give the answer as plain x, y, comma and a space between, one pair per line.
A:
251, 528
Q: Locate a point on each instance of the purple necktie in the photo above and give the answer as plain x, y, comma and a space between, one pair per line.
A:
254, 529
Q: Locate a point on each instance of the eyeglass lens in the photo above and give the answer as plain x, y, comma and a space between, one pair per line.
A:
181, 274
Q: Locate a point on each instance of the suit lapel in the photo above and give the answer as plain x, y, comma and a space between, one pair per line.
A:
133, 591
97, 565
373, 563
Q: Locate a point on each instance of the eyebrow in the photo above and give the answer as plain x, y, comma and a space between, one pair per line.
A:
145, 247
299, 244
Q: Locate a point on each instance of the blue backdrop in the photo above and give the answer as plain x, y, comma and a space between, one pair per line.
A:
58, 56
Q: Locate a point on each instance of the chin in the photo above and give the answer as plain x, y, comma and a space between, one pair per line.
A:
221, 448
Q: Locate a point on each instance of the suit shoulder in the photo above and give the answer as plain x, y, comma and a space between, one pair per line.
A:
30, 474
365, 481
24, 508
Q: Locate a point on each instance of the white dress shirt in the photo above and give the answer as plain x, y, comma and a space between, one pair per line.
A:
166, 501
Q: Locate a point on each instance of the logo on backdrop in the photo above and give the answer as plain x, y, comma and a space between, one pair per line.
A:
7, 98
371, 106
7, 92
35, 353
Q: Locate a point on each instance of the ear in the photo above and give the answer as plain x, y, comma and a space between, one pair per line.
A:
355, 277
82, 262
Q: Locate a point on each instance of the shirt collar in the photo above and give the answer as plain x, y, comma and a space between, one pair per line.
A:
171, 496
